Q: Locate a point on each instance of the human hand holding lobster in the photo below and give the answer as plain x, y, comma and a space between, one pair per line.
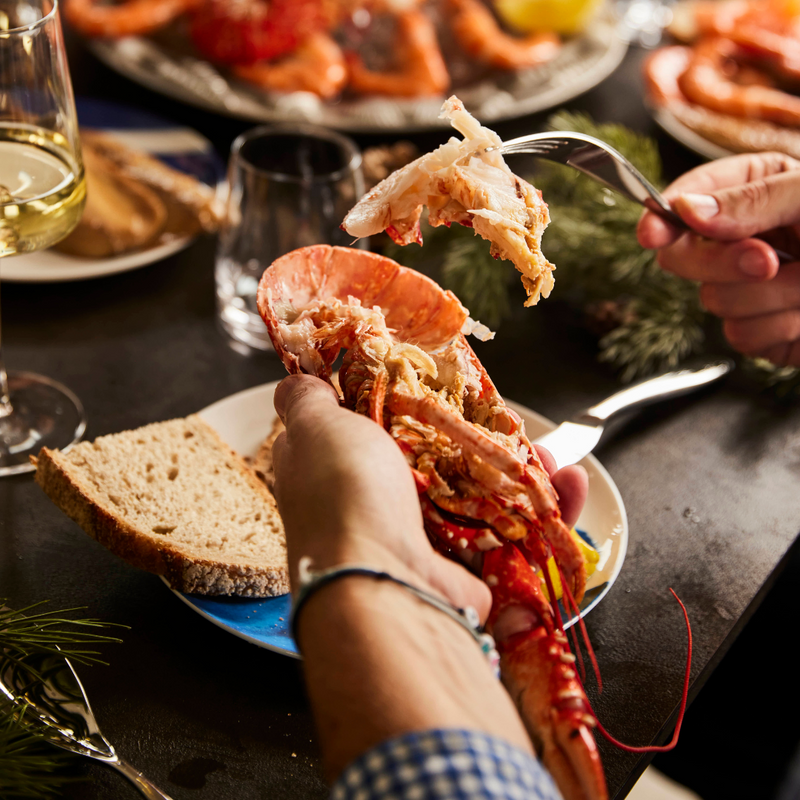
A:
728, 203
346, 495
378, 661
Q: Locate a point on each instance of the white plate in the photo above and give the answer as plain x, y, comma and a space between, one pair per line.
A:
583, 62
183, 148
686, 136
245, 419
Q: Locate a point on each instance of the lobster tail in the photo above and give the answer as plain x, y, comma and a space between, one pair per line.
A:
538, 670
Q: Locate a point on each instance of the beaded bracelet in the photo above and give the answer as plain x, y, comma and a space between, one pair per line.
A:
311, 581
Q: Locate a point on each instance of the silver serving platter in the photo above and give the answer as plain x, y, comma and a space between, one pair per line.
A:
583, 62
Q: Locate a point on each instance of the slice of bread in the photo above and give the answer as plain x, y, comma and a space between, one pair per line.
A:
262, 463
172, 498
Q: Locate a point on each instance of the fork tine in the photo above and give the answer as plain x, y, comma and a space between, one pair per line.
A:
528, 147
602, 163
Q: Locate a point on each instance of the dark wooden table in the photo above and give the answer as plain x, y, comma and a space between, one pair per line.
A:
709, 483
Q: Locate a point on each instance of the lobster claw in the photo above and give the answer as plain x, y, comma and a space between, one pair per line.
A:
538, 670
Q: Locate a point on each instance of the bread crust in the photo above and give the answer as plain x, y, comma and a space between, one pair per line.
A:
62, 483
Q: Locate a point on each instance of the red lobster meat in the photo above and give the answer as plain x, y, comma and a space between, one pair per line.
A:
408, 366
246, 31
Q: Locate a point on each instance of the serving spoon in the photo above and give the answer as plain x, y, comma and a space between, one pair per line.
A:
600, 161
46, 690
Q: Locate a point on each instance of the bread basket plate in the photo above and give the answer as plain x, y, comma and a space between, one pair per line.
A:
244, 420
181, 148
167, 63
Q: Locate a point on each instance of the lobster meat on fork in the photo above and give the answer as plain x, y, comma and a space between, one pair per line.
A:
483, 489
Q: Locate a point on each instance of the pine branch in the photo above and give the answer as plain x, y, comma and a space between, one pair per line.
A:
592, 240
481, 280
784, 381
49, 632
29, 766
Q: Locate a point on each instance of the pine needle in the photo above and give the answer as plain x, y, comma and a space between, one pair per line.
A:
470, 272
29, 766
49, 632
784, 381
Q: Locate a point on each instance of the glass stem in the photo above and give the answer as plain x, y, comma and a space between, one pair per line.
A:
5, 401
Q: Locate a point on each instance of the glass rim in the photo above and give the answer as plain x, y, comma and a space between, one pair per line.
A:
345, 143
32, 26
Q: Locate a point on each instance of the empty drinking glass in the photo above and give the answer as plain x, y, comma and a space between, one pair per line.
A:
288, 187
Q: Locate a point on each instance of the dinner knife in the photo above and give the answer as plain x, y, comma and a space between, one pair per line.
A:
576, 438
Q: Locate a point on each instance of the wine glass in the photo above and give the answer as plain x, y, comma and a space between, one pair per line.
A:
42, 194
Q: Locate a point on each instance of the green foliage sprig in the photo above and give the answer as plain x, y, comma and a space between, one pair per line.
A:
22, 633
646, 319
29, 766
592, 239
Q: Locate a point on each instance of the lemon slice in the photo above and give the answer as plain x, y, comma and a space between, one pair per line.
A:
590, 555
561, 16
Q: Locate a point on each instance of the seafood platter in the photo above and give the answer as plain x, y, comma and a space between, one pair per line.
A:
729, 83
361, 65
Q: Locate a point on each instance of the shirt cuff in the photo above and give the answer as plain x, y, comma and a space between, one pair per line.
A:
445, 763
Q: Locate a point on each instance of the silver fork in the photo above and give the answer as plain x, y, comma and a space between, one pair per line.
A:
47, 693
593, 157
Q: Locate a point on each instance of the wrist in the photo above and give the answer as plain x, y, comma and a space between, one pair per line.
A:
313, 581
351, 548
380, 662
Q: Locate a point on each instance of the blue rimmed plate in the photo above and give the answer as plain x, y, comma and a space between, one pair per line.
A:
182, 148
245, 419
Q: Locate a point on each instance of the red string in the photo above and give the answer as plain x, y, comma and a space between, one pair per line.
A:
663, 748
567, 594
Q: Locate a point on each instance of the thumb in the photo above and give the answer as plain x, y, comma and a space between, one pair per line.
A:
744, 210
297, 393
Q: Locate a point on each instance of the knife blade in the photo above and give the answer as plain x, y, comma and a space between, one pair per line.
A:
576, 438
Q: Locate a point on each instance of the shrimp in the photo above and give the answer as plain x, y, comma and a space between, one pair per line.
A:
779, 52
408, 366
317, 66
767, 29
421, 71
706, 83
130, 18
462, 182
662, 69
478, 33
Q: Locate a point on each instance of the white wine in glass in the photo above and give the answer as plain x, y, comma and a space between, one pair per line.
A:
42, 194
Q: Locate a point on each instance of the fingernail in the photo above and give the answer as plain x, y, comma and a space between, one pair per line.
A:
282, 391
702, 205
753, 263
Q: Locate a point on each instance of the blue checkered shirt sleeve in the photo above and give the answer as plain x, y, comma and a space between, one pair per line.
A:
445, 765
